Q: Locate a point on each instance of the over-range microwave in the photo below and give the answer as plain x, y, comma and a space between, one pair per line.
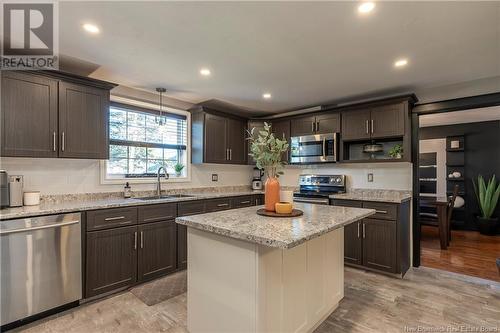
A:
318, 148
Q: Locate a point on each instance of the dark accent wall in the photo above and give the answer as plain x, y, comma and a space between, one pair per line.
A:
482, 156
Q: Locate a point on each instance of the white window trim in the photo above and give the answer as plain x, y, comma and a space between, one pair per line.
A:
104, 180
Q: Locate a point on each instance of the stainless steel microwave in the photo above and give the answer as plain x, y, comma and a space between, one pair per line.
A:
318, 148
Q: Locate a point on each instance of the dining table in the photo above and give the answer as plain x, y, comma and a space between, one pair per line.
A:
441, 205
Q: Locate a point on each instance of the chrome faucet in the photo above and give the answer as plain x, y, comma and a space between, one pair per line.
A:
158, 185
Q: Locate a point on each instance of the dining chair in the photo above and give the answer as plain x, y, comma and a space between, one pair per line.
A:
433, 220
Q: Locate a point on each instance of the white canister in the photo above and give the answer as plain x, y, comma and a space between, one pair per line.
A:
31, 198
286, 196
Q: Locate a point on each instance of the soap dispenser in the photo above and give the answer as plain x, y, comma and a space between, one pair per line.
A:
127, 191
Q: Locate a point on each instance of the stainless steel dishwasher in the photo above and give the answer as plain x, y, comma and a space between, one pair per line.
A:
40, 264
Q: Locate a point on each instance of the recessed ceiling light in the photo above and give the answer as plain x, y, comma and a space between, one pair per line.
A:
205, 71
266, 95
401, 63
93, 29
366, 7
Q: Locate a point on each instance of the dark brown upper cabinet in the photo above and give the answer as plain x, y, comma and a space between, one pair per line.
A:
317, 124
54, 114
29, 115
379, 122
217, 137
83, 121
281, 128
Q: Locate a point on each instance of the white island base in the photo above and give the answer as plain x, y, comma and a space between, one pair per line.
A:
238, 286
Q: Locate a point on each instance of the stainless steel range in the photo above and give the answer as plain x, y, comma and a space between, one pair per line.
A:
317, 188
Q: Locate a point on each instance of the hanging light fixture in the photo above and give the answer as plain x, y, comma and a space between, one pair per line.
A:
160, 119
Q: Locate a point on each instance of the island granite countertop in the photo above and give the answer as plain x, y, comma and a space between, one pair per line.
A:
279, 232
390, 196
50, 208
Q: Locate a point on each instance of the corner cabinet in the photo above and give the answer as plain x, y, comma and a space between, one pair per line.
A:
217, 137
54, 114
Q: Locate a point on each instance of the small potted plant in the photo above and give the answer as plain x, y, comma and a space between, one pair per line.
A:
487, 198
396, 151
178, 167
267, 151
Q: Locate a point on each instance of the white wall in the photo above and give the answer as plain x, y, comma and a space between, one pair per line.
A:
60, 176
393, 176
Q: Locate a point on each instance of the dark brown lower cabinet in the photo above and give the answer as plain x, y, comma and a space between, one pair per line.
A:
111, 261
353, 248
181, 246
157, 249
379, 244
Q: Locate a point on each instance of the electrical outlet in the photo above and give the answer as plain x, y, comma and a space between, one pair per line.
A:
370, 177
215, 177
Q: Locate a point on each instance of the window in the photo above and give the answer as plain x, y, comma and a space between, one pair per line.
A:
138, 146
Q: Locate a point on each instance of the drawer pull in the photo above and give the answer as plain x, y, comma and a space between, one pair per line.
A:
160, 218
381, 211
245, 202
114, 218
223, 205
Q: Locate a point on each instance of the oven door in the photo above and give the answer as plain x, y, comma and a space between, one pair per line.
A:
319, 148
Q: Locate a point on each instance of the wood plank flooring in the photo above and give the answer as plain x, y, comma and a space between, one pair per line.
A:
425, 298
469, 253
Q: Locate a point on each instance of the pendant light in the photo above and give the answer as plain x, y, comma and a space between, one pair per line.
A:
160, 119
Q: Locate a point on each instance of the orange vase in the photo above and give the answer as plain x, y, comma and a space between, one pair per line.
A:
272, 193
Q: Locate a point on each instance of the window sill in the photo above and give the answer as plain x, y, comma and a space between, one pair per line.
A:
111, 181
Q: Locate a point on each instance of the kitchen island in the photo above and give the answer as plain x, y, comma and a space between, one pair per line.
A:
250, 273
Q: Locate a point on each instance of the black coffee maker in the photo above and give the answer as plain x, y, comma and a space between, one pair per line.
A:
257, 179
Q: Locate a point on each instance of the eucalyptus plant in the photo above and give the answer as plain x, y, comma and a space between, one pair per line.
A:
487, 195
267, 150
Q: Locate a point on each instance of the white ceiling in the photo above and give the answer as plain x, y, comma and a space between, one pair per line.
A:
460, 117
303, 53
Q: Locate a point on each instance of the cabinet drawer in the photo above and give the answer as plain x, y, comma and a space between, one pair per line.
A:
215, 205
244, 201
111, 218
346, 203
191, 208
384, 211
156, 213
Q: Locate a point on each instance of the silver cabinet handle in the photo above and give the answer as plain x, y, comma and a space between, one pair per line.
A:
63, 144
312, 126
222, 205
372, 126
135, 240
230, 154
324, 148
367, 127
317, 126
381, 211
227, 154
245, 202
364, 230
142, 239
54, 141
358, 229
114, 218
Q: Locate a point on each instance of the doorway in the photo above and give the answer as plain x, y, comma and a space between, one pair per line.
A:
454, 148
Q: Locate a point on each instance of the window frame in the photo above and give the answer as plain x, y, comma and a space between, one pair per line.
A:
151, 108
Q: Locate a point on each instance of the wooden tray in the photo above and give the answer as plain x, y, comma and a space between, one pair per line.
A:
294, 213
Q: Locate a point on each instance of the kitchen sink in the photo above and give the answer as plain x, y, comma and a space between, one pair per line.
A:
166, 196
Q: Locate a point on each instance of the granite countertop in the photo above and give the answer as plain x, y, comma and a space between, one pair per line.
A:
49, 208
280, 232
391, 196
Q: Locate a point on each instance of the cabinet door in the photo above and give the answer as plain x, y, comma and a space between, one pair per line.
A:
353, 249
356, 124
388, 121
83, 121
215, 139
236, 143
157, 249
29, 115
111, 261
181, 246
328, 123
379, 244
282, 128
257, 126
302, 126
